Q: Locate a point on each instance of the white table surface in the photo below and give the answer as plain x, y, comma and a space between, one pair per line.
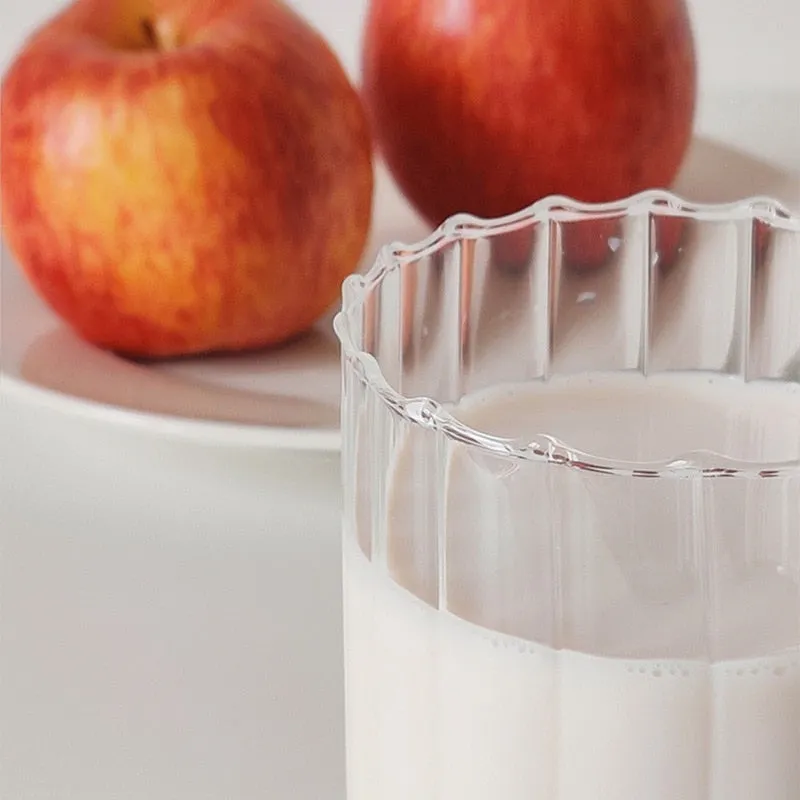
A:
170, 620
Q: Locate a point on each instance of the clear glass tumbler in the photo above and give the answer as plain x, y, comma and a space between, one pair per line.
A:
571, 456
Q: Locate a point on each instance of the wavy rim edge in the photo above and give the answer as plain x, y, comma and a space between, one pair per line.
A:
429, 413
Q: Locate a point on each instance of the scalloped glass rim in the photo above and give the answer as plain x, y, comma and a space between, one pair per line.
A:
427, 412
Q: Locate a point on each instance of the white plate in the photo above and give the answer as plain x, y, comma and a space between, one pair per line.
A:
286, 398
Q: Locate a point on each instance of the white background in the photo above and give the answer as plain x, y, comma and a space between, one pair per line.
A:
170, 620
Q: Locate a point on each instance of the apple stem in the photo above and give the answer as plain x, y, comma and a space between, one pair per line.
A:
150, 34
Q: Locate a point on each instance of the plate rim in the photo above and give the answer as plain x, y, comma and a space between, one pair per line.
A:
208, 432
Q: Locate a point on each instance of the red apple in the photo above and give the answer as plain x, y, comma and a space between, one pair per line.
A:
485, 106
182, 176
513, 250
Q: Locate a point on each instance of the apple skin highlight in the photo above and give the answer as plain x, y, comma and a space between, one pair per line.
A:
182, 177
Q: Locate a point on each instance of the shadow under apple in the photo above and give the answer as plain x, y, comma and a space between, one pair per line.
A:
234, 389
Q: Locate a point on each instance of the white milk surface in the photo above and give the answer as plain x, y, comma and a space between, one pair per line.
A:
441, 706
